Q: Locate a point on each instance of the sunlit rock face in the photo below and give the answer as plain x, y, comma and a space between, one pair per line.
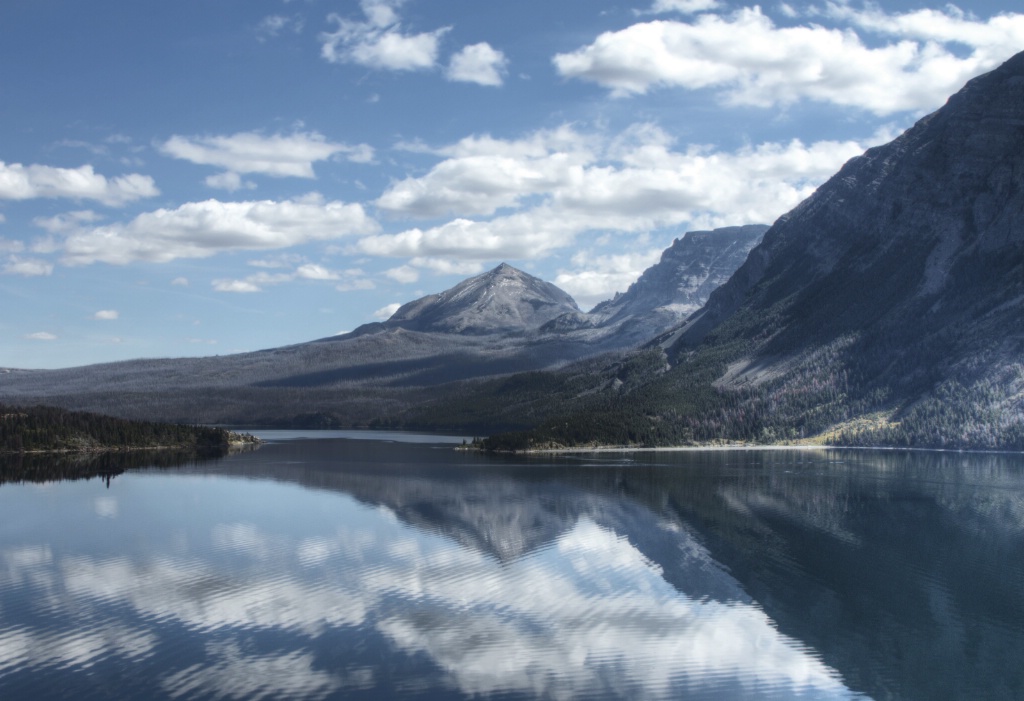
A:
681, 282
503, 300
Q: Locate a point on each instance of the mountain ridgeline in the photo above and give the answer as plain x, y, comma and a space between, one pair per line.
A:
393, 373
886, 309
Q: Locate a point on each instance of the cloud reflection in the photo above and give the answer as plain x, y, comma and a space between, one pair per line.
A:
588, 614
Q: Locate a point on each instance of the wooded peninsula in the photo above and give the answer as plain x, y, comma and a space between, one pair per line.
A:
43, 429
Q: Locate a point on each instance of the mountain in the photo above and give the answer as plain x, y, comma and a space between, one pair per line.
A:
887, 308
501, 322
503, 300
681, 282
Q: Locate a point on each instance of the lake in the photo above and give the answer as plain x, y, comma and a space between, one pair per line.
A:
385, 566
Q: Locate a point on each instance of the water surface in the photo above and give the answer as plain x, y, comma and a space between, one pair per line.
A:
341, 567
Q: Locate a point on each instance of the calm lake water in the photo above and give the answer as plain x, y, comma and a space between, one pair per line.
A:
344, 567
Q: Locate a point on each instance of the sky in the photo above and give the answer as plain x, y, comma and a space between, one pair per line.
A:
205, 177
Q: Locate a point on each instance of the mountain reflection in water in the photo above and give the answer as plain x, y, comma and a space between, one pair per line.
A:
360, 569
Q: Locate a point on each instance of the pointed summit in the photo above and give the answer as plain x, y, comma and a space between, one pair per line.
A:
502, 300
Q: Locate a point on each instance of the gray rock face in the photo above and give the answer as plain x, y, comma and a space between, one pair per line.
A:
896, 290
504, 300
681, 282
915, 233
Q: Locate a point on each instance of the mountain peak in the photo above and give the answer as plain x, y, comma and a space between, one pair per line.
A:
502, 300
689, 270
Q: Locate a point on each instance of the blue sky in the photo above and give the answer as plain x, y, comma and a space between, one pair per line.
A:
212, 176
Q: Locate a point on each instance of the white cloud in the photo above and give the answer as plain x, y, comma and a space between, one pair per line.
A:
252, 283
482, 174
379, 42
106, 315
42, 336
788, 10
685, 7
478, 63
448, 266
229, 181
226, 285
756, 63
404, 274
202, 229
279, 155
354, 284
312, 271
597, 278
11, 246
384, 313
180, 282
272, 25
523, 199
261, 280
21, 182
27, 267
69, 221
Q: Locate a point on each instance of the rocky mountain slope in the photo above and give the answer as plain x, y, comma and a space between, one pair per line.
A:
504, 300
681, 282
886, 308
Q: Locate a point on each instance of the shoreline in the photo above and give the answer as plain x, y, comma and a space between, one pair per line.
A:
737, 448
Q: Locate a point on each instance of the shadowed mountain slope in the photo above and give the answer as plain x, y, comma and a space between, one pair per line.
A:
888, 307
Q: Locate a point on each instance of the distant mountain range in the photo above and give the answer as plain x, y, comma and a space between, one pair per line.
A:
887, 308
498, 323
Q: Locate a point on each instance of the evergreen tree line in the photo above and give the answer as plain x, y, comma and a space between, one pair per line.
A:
44, 428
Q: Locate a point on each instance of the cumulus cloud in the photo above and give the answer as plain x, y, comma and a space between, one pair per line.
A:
404, 274
355, 282
384, 313
202, 229
448, 266
229, 181
272, 25
68, 221
305, 271
106, 315
21, 182
753, 62
523, 199
27, 267
596, 277
481, 174
379, 42
11, 246
684, 6
311, 271
478, 63
278, 155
